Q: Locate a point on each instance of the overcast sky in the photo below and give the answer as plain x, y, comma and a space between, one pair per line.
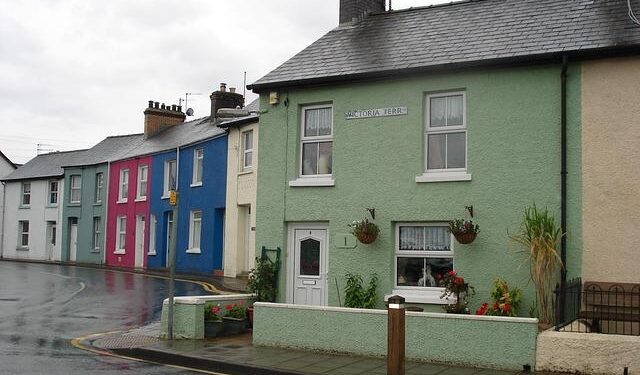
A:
75, 71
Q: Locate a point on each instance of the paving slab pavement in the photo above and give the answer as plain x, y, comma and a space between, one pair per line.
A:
237, 355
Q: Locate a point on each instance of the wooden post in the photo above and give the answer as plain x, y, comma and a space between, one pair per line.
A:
395, 336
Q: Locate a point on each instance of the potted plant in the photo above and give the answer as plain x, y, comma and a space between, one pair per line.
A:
506, 302
234, 319
262, 283
212, 320
540, 235
365, 231
465, 231
456, 286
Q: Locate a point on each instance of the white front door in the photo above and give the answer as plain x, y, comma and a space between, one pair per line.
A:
51, 239
73, 242
309, 266
139, 241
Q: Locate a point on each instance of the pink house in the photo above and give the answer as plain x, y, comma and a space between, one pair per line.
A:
128, 212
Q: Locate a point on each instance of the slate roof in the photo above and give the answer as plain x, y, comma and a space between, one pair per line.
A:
111, 148
45, 165
466, 33
254, 106
176, 136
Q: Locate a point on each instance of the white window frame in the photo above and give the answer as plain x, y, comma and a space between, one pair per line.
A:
420, 294
317, 179
247, 151
121, 231
142, 185
198, 167
445, 174
52, 193
75, 189
167, 165
123, 186
25, 194
99, 186
97, 232
193, 233
152, 235
22, 233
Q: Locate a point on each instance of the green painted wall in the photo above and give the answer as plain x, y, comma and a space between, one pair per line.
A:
457, 339
513, 120
85, 211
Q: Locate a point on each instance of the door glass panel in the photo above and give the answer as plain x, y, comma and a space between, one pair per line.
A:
310, 257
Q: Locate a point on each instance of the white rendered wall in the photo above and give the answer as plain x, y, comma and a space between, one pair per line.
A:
241, 198
38, 214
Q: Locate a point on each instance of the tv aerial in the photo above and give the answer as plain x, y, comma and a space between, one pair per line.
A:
189, 111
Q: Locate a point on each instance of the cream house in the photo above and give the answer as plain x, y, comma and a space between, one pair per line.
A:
242, 166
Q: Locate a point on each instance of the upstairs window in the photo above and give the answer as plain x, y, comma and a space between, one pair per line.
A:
316, 141
170, 176
123, 192
143, 175
75, 189
446, 133
247, 150
25, 199
99, 187
53, 193
198, 159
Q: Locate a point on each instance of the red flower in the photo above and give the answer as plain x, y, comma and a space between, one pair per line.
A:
506, 308
451, 273
482, 310
496, 307
228, 307
215, 309
459, 280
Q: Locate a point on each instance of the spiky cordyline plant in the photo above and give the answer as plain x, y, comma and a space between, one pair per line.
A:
541, 236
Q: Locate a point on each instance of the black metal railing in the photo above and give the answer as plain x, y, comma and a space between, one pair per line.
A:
602, 307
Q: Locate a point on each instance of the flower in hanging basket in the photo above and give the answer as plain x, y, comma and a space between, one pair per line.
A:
365, 231
465, 231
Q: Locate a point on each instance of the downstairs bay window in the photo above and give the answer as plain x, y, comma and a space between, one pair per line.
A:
423, 256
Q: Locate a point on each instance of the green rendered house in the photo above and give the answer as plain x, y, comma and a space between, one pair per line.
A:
418, 114
85, 199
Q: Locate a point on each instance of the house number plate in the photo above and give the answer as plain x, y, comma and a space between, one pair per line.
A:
376, 112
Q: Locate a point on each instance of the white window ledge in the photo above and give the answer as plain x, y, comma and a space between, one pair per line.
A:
151, 253
95, 250
443, 176
196, 184
193, 251
141, 199
164, 197
245, 171
315, 181
119, 252
24, 206
21, 248
417, 296
121, 201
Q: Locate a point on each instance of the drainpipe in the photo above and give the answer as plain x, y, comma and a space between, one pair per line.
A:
563, 186
4, 198
105, 185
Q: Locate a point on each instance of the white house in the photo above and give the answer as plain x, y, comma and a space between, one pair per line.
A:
33, 209
6, 167
242, 168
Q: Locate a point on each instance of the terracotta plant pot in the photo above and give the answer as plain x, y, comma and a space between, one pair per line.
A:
465, 238
367, 238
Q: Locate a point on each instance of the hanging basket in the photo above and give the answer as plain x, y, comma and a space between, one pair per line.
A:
465, 238
366, 237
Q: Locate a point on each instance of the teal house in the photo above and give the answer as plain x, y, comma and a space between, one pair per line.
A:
421, 116
85, 199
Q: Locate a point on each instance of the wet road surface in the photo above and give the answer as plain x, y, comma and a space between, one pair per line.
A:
43, 307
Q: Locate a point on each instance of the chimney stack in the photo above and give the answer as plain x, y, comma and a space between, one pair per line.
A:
225, 99
355, 10
158, 117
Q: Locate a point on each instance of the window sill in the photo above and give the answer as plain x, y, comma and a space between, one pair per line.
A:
52, 206
151, 253
431, 297
74, 204
313, 181
119, 252
122, 201
164, 197
97, 204
24, 207
246, 171
19, 248
193, 251
141, 199
196, 184
96, 251
443, 176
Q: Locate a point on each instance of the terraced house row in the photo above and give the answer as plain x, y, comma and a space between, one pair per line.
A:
110, 204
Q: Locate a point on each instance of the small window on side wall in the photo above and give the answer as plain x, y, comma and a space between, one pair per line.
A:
247, 150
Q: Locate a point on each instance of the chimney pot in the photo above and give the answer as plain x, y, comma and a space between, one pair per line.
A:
232, 90
179, 108
174, 108
223, 87
355, 10
150, 103
162, 106
156, 105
